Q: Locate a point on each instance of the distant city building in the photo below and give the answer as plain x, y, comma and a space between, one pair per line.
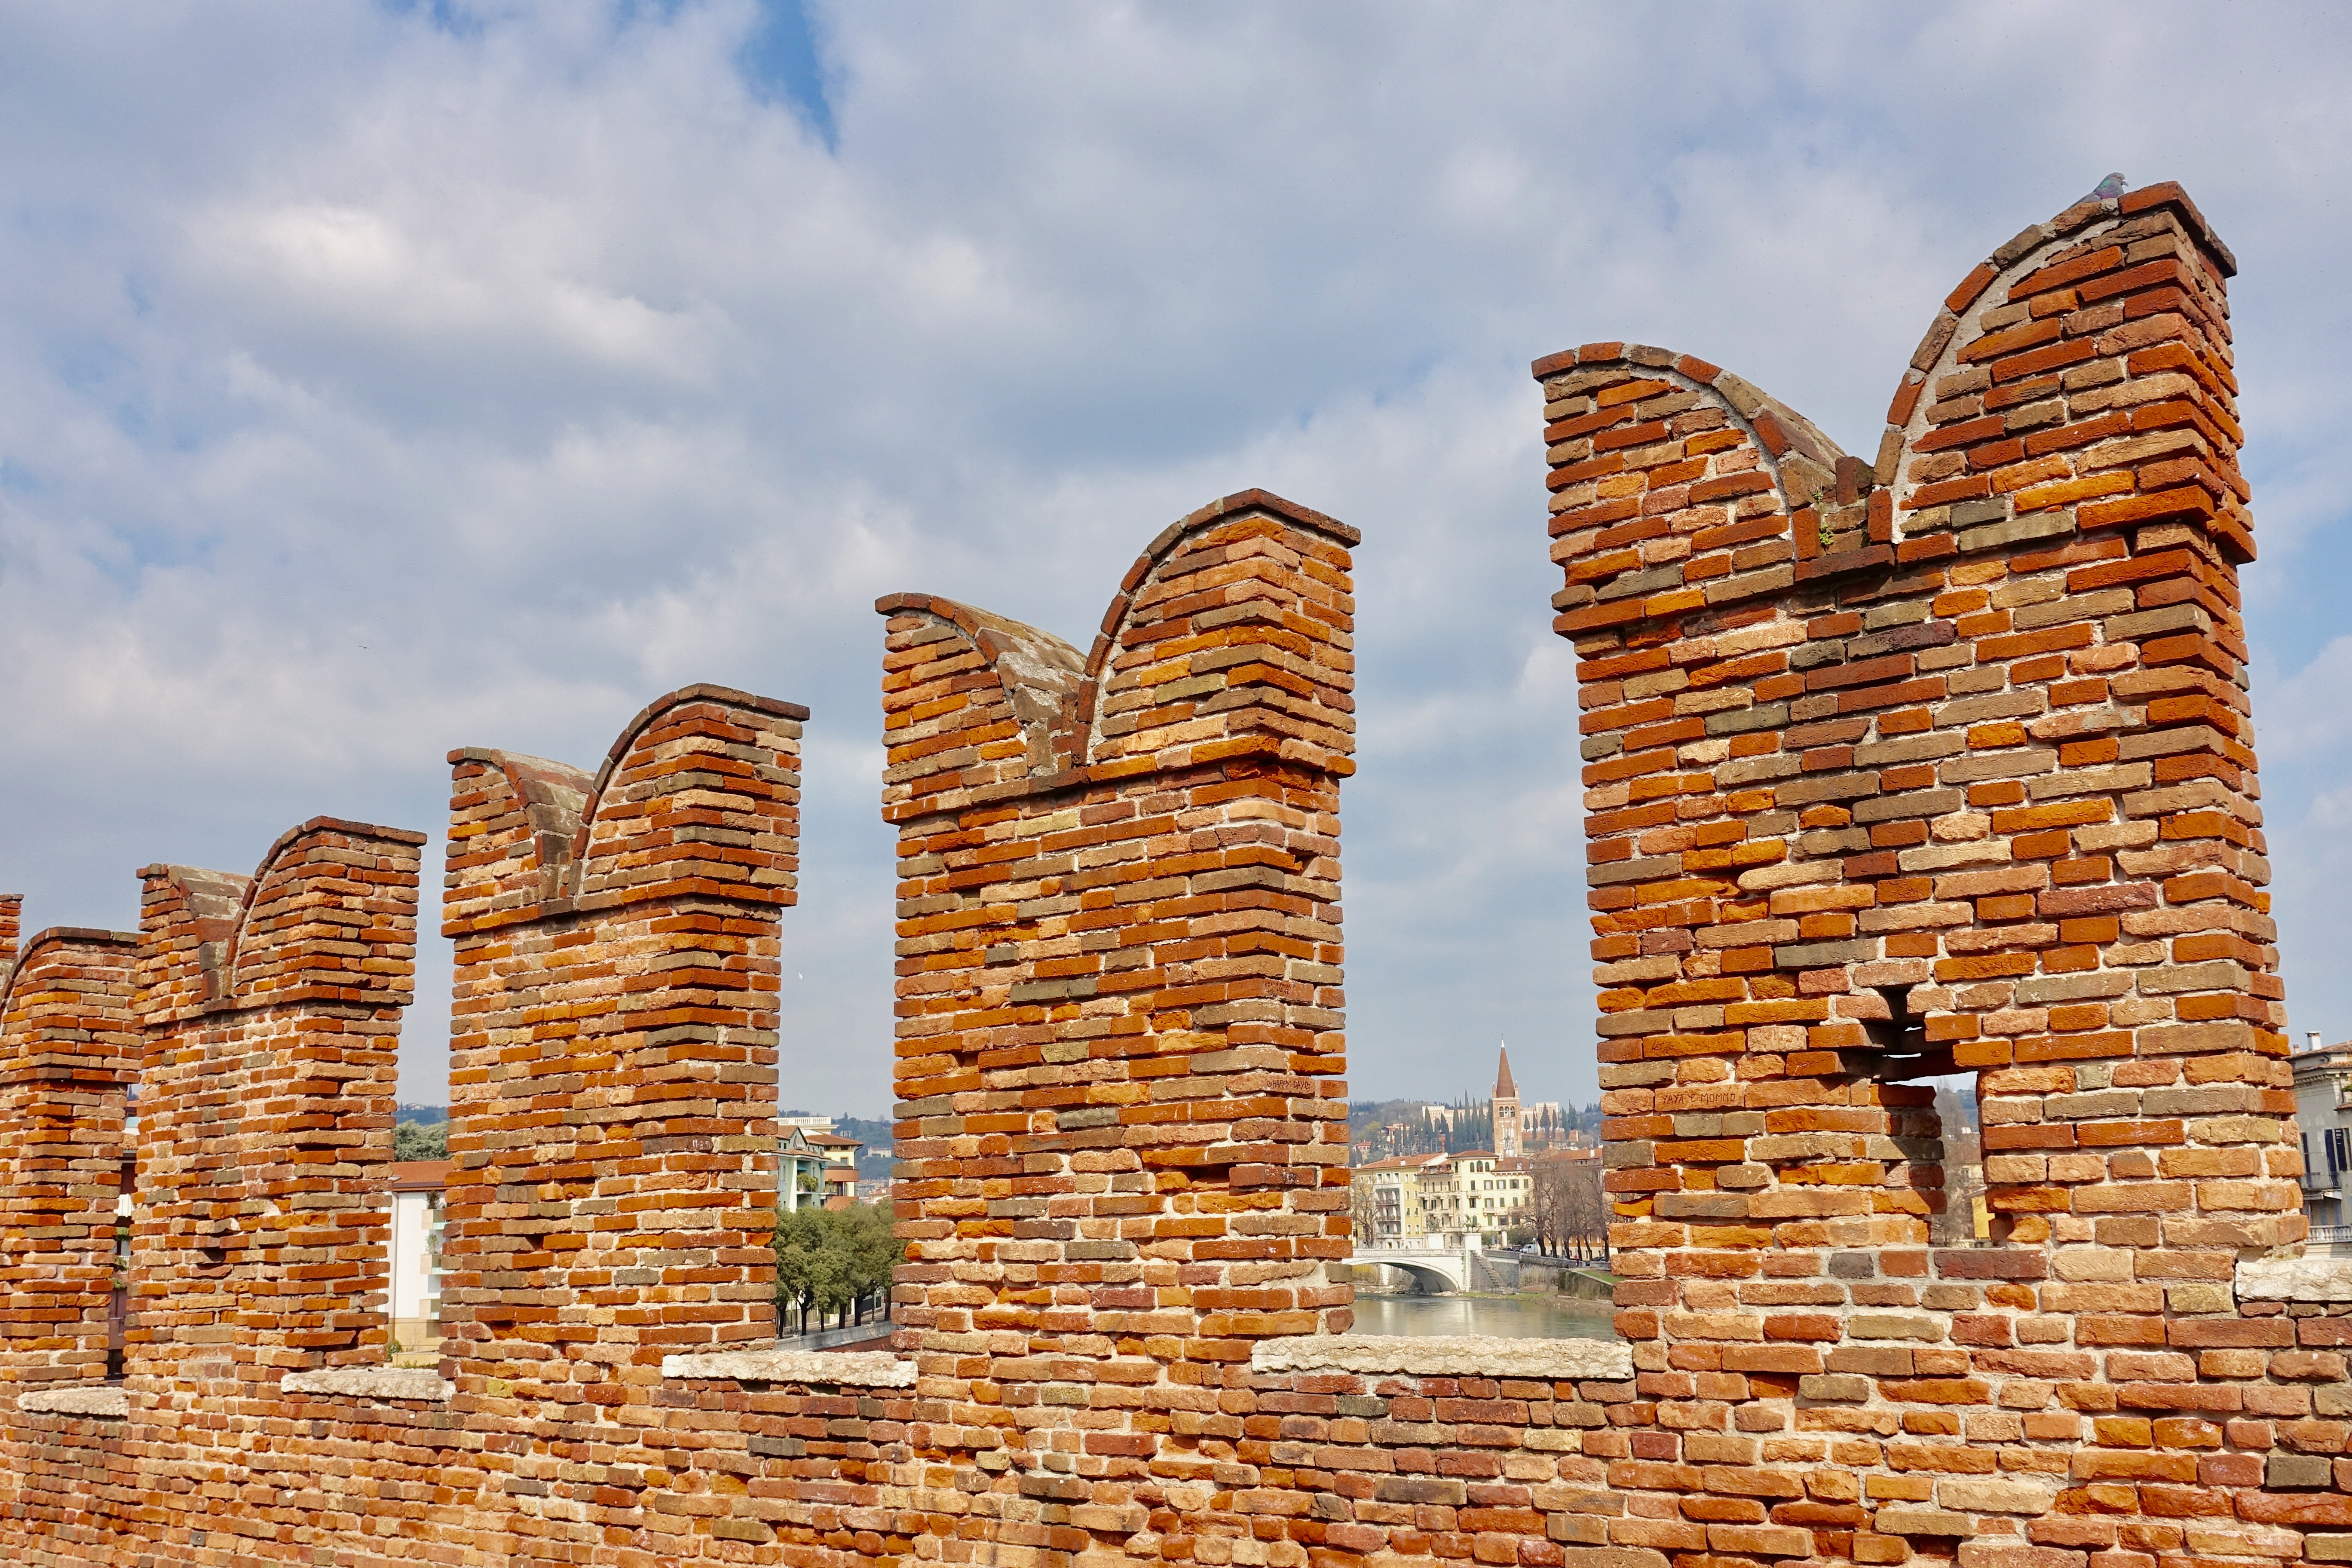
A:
805, 1122
1399, 1196
1389, 1198
1508, 1144
818, 1167
1476, 1197
2323, 1109
416, 1188
840, 1163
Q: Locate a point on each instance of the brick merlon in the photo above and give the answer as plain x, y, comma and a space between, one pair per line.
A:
58, 939
250, 940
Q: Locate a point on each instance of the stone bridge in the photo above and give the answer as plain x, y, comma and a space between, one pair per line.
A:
1434, 1269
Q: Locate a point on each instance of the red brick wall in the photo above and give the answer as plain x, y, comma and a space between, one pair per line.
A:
1121, 1129
613, 1085
68, 1050
1282, 1468
271, 1009
67, 1490
272, 1006
1962, 731
1965, 726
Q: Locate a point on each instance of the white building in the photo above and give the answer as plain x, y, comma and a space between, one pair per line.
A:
416, 1188
2323, 1110
815, 1167
1475, 1198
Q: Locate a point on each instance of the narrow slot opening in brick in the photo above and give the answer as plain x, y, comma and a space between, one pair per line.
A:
1966, 1220
118, 1296
1900, 1060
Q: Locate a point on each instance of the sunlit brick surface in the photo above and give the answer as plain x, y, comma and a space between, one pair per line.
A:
1121, 1129
1938, 760
1942, 762
68, 1050
612, 1097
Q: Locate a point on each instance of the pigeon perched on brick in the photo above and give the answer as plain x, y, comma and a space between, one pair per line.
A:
2107, 190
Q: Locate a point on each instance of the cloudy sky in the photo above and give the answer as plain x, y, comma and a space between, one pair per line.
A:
381, 379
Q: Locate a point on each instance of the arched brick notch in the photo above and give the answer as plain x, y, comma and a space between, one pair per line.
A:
271, 1008
68, 1050
1121, 1132
1967, 724
612, 1088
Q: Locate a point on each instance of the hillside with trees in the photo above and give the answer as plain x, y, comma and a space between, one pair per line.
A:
1384, 1129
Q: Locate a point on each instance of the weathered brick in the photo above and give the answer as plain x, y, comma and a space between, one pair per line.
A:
1994, 848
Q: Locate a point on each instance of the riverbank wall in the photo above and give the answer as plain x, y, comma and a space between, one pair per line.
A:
1565, 1277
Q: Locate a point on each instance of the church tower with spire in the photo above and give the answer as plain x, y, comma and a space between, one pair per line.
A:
1506, 1108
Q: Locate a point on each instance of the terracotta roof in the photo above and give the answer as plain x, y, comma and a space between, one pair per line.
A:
1504, 1086
420, 1176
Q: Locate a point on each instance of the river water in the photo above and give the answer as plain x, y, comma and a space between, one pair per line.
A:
1504, 1317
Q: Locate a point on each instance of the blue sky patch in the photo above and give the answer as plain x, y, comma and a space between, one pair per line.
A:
781, 62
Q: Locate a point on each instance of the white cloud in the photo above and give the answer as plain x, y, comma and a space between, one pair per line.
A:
368, 388
2303, 719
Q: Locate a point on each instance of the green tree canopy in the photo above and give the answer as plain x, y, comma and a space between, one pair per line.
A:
412, 1141
829, 1259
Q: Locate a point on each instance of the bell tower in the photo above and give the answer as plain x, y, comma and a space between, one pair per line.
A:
1507, 1107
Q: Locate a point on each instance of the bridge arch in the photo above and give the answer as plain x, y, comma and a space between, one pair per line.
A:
1433, 1280
1435, 1272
